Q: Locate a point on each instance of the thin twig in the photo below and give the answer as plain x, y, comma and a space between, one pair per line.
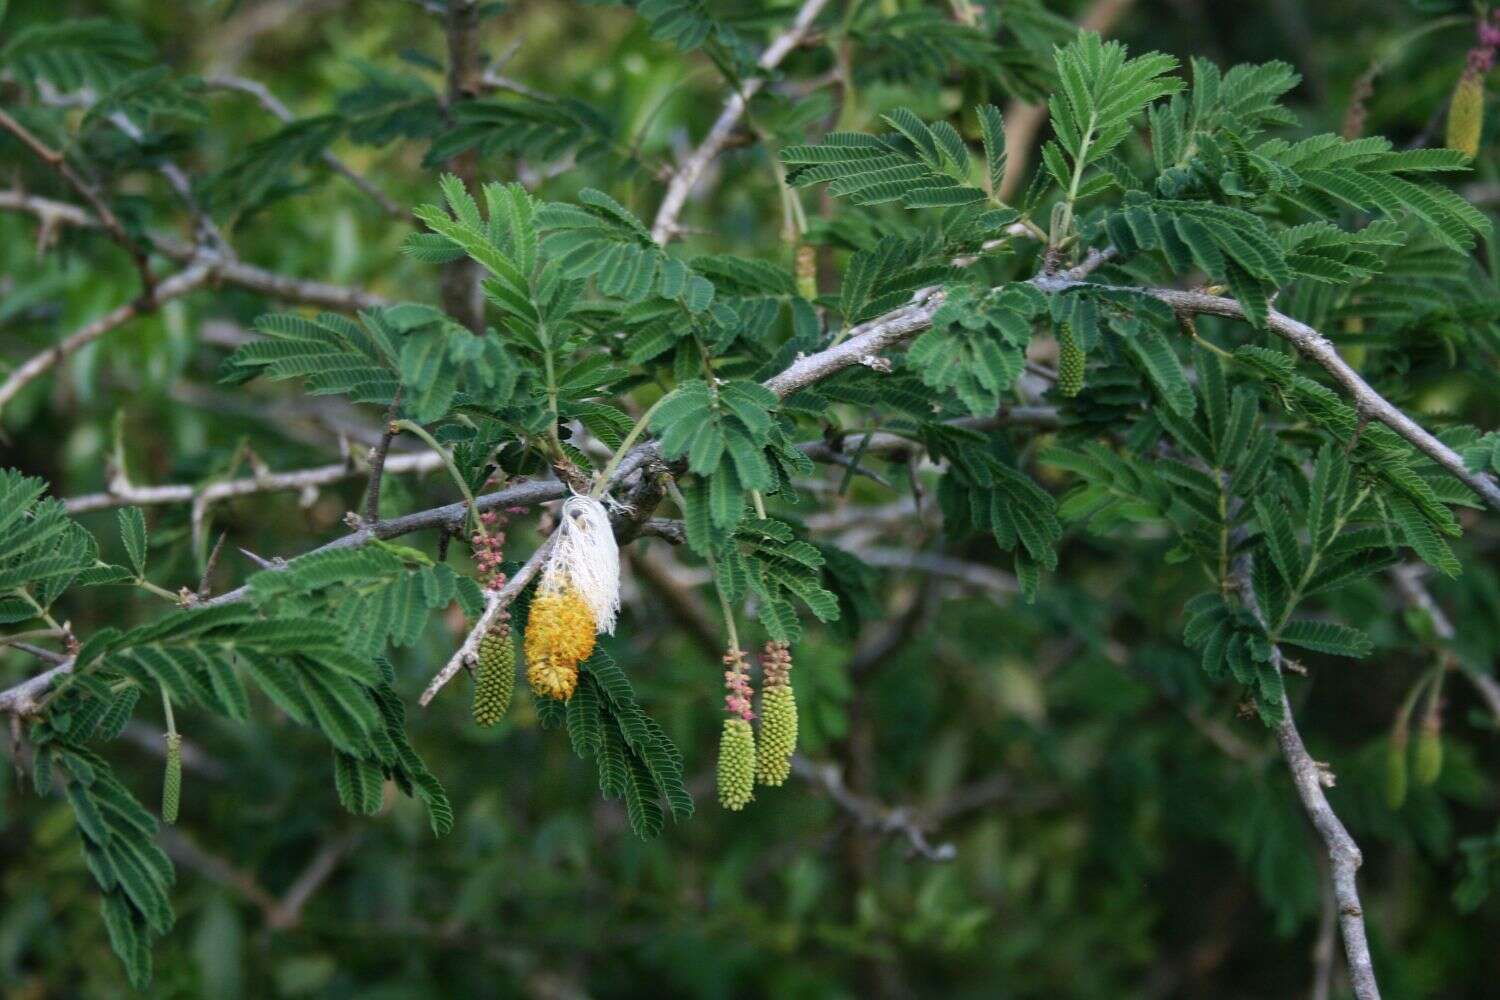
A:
1318, 349
211, 565
378, 456
60, 165
496, 601
870, 814
225, 269
177, 285
269, 101
123, 494
687, 174
1414, 590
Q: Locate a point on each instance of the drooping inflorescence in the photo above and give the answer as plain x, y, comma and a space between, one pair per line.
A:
171, 784
1466, 107
778, 716
578, 597
1428, 764
736, 767
495, 673
1070, 361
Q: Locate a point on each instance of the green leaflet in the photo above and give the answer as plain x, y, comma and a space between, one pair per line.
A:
977, 343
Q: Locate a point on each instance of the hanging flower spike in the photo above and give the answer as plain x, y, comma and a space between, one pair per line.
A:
578, 597
1466, 108
778, 716
495, 676
736, 768
171, 785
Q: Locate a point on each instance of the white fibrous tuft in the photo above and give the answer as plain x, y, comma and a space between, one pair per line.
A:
586, 557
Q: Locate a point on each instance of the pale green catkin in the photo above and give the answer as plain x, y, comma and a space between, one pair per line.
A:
1395, 768
495, 676
1070, 361
171, 785
1429, 757
778, 735
1466, 114
736, 769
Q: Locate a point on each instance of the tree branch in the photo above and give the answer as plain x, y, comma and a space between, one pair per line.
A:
230, 271
177, 285
688, 172
1409, 581
122, 494
269, 101
1310, 778
462, 296
111, 224
496, 601
870, 814
1317, 348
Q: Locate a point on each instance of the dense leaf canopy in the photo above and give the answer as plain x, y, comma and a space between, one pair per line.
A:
1087, 409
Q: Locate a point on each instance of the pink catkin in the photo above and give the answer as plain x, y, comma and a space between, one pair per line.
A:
737, 691
1482, 56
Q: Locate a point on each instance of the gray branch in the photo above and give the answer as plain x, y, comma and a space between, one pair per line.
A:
1310, 778
177, 285
269, 101
122, 494
688, 172
230, 271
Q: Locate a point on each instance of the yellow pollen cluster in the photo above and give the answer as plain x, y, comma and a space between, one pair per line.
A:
559, 635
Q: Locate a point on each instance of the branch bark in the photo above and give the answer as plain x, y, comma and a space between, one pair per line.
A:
462, 296
869, 814
1318, 349
59, 164
1310, 778
123, 494
178, 285
1409, 581
226, 269
691, 169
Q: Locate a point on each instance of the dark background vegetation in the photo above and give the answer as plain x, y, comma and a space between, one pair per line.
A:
1118, 828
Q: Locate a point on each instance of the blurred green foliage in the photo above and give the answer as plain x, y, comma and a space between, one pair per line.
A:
1121, 826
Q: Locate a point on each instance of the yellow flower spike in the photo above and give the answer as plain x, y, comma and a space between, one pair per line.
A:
560, 634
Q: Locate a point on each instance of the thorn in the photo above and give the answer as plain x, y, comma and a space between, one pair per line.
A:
1326, 777
276, 563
